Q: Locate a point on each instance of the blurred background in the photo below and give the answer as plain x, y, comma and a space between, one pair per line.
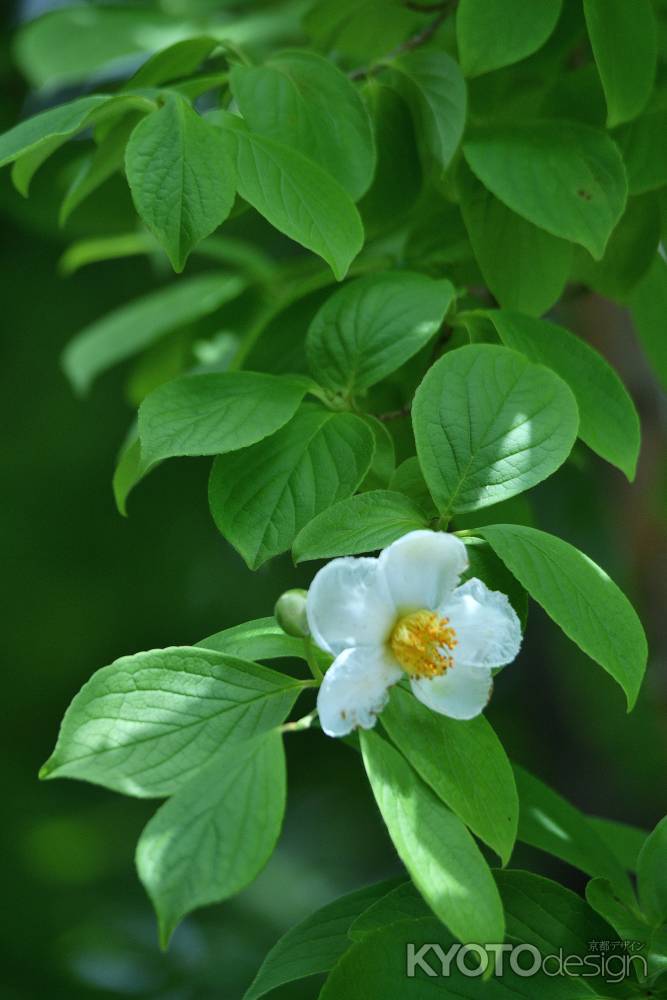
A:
84, 586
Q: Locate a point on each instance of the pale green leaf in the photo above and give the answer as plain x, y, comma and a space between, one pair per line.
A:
490, 424
564, 177
580, 598
210, 414
262, 639
608, 420
49, 128
463, 762
217, 833
147, 724
495, 33
625, 45
362, 523
304, 101
181, 176
132, 327
130, 470
91, 251
296, 196
372, 325
262, 497
176, 61
434, 845
434, 89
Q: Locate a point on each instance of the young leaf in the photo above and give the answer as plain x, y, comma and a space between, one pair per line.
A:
547, 821
296, 196
372, 325
525, 267
363, 523
304, 101
176, 61
262, 639
495, 33
434, 89
652, 874
59, 124
442, 858
148, 723
213, 413
564, 177
608, 420
132, 327
580, 598
315, 945
217, 833
181, 177
489, 424
463, 762
625, 45
262, 497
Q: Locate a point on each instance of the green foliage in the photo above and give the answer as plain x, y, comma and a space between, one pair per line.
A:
436, 161
489, 424
579, 596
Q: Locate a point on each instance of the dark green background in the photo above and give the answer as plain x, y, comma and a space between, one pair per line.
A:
84, 586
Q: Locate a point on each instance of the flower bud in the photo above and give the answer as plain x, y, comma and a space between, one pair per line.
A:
290, 612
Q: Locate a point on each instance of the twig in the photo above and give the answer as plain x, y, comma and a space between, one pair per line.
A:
394, 414
414, 42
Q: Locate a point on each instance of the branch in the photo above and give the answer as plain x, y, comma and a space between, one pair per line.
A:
414, 42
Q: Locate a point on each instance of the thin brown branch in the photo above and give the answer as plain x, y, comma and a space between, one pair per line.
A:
411, 43
394, 414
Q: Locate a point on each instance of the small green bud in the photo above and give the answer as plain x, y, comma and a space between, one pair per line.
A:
290, 612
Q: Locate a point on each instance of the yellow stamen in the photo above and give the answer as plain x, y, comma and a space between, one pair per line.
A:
422, 642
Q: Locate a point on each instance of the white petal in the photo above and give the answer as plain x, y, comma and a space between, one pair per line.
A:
461, 693
488, 632
348, 605
422, 568
355, 689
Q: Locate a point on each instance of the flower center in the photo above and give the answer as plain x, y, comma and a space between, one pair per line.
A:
422, 642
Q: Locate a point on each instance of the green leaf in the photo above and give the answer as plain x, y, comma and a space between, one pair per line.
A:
401, 903
376, 967
361, 29
652, 874
623, 840
173, 63
524, 267
440, 855
625, 45
547, 821
648, 304
485, 565
132, 327
217, 833
463, 762
434, 89
383, 465
372, 325
148, 723
304, 101
580, 598
296, 196
262, 639
91, 251
98, 167
630, 251
130, 470
489, 424
625, 919
409, 479
608, 420
495, 33
362, 523
213, 413
643, 143
315, 945
50, 128
262, 497
564, 177
181, 177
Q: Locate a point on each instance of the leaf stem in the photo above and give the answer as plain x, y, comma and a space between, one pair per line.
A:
300, 724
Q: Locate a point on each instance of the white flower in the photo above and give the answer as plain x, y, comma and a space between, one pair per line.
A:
404, 613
